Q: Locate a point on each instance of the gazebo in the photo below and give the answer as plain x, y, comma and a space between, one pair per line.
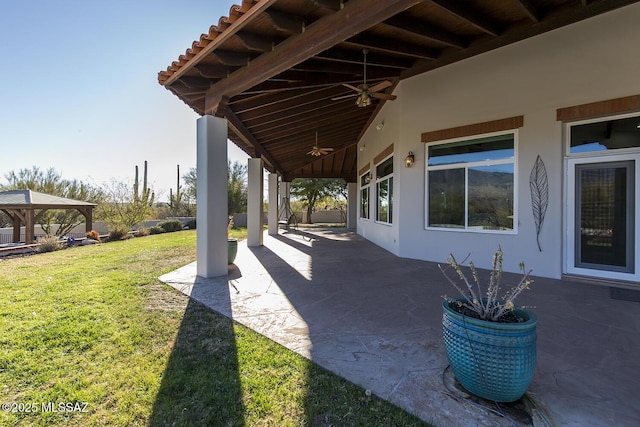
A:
21, 206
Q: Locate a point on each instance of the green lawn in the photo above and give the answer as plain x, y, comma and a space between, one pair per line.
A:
93, 325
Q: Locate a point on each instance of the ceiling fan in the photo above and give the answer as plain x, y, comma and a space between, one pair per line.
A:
364, 93
317, 151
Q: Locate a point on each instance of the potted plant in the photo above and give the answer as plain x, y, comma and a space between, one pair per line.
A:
232, 243
490, 343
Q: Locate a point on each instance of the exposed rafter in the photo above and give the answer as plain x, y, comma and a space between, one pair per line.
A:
279, 69
355, 17
465, 13
239, 129
286, 22
414, 26
531, 10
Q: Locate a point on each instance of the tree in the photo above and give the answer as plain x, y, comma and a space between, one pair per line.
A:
127, 205
312, 190
236, 186
51, 182
190, 180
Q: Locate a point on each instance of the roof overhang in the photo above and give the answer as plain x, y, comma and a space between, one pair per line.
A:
273, 68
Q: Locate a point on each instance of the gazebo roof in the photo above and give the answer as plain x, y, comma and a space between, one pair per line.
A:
274, 68
27, 199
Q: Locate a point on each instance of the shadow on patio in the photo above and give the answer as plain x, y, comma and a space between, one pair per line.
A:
375, 319
220, 373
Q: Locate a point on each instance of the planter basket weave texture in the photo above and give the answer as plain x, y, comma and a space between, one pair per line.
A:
492, 360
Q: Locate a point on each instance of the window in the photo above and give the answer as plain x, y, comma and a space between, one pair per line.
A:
364, 195
596, 137
471, 184
384, 191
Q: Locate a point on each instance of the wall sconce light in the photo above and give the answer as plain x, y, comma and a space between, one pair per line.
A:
380, 125
367, 178
408, 161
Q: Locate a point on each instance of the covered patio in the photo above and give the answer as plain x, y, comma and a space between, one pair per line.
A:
376, 320
301, 85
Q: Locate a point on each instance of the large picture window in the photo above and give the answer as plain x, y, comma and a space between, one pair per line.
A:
365, 191
384, 191
471, 184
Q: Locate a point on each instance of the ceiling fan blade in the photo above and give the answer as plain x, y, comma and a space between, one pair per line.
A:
351, 87
384, 96
344, 97
380, 86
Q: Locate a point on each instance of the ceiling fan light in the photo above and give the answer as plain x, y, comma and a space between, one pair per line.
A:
363, 100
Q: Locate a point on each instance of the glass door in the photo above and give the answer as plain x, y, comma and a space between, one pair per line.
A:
604, 216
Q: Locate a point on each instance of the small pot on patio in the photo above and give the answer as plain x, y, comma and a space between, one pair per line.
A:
490, 344
232, 243
233, 249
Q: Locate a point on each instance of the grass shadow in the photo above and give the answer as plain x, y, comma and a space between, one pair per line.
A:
201, 384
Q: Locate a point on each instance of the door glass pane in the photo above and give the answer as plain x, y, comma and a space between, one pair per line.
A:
604, 216
446, 198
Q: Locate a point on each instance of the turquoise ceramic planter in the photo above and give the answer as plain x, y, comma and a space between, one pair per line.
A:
233, 249
492, 360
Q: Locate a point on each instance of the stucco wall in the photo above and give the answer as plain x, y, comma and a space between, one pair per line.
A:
589, 61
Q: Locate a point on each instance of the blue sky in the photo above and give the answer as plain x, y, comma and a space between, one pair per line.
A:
80, 91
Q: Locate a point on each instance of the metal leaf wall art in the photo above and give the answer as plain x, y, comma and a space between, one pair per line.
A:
539, 184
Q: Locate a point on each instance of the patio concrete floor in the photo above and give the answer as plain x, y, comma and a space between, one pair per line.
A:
375, 319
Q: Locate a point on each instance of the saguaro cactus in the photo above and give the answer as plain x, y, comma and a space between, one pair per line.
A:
175, 201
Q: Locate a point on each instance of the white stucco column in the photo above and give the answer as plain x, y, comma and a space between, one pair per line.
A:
352, 205
211, 187
273, 204
254, 202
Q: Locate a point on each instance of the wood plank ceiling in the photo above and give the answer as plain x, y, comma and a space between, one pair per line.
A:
272, 68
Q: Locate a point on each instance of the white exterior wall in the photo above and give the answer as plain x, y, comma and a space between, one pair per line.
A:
593, 60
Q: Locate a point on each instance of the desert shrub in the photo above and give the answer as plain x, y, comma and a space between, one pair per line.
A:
49, 244
142, 231
93, 235
171, 225
156, 230
191, 224
118, 233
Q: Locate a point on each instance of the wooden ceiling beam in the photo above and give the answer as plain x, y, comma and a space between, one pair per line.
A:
280, 137
239, 129
255, 42
411, 25
210, 71
472, 17
334, 5
194, 83
374, 60
280, 102
285, 21
355, 17
287, 109
383, 44
233, 59
289, 125
531, 10
322, 65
